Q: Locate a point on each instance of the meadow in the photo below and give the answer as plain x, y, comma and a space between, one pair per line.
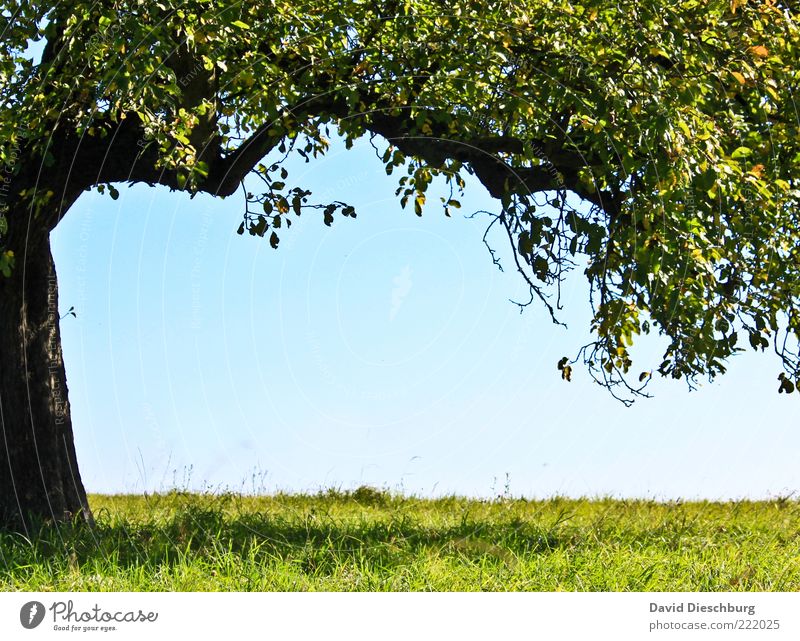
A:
372, 540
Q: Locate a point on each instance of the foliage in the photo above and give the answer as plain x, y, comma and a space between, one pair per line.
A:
673, 123
335, 541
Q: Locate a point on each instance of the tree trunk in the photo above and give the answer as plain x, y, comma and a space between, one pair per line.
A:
39, 479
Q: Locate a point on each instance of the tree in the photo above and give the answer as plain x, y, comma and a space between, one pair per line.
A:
654, 145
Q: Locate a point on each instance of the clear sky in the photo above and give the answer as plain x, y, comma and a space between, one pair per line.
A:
380, 351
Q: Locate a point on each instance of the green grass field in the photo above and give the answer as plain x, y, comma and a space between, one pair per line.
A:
369, 540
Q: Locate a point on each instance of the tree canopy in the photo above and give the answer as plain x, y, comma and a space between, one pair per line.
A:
653, 145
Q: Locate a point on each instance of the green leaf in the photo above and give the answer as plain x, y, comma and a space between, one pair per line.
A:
6, 262
328, 214
259, 228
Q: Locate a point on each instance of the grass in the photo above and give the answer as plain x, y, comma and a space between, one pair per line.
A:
371, 540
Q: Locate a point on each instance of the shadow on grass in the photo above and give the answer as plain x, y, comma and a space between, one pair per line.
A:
375, 531
369, 539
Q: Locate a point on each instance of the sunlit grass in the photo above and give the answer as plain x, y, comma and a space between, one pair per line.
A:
370, 540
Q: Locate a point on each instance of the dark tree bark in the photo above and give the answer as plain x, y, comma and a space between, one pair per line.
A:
39, 478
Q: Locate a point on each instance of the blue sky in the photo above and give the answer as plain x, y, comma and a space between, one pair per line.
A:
379, 351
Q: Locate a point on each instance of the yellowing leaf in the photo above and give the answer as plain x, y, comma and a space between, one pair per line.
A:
759, 51
739, 77
773, 94
741, 152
